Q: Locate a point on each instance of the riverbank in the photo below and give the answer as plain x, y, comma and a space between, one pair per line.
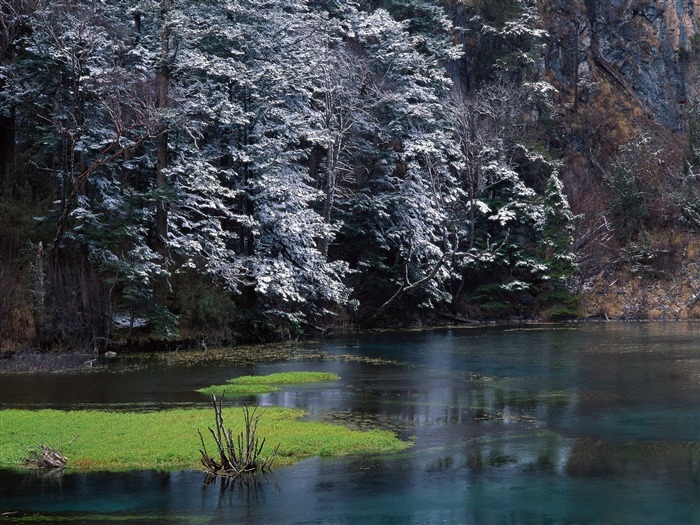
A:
42, 361
34, 360
50, 361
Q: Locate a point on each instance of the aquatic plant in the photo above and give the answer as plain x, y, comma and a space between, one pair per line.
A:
241, 458
253, 385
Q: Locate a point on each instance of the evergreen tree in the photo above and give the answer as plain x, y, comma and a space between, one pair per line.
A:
510, 198
397, 212
275, 158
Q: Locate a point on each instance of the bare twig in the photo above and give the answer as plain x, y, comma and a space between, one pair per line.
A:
239, 457
45, 457
407, 285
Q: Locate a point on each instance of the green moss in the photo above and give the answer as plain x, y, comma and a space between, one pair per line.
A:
286, 378
238, 390
255, 385
100, 440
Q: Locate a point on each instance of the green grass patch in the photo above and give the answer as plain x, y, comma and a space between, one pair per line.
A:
255, 385
286, 378
238, 390
168, 439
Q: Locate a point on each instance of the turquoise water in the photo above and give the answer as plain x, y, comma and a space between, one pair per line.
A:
569, 424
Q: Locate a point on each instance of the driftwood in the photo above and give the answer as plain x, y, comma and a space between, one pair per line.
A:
458, 319
45, 457
238, 458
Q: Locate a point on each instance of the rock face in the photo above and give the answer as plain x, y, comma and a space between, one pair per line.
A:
640, 45
625, 67
624, 294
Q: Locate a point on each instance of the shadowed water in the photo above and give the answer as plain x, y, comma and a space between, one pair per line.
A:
572, 424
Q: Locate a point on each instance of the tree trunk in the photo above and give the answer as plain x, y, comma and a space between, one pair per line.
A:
7, 122
7, 152
161, 216
329, 186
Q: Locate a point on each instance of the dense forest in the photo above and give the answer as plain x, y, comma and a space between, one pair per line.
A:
217, 171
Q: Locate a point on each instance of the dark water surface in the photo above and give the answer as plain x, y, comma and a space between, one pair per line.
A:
571, 424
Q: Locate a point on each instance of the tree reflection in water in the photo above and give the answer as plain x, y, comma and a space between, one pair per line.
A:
586, 423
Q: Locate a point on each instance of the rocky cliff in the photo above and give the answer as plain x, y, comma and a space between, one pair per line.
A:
625, 68
642, 46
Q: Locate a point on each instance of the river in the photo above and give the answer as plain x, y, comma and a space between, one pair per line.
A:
539, 424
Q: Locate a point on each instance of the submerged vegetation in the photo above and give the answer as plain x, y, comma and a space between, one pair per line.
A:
168, 439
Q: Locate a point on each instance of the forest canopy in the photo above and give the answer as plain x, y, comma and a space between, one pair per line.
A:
237, 170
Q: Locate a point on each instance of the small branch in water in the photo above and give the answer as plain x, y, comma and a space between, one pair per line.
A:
239, 458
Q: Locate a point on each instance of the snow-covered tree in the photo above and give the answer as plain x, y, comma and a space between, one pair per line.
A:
280, 158
401, 153
278, 224
503, 38
91, 110
557, 227
513, 204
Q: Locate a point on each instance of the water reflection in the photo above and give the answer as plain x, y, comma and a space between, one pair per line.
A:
586, 424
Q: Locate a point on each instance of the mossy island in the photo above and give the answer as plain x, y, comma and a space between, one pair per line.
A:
254, 385
169, 439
